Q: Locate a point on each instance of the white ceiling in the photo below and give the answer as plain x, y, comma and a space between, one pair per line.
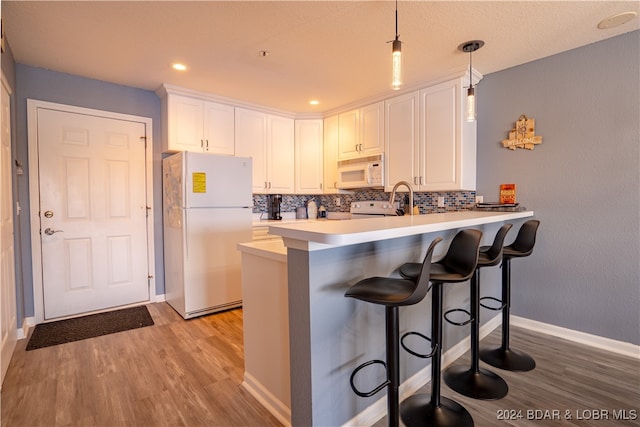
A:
333, 51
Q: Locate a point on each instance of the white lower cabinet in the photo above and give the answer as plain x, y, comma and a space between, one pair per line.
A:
308, 156
427, 141
269, 141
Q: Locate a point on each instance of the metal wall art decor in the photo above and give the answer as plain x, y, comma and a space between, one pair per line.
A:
523, 135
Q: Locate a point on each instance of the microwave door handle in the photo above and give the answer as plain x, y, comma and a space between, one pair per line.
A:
368, 175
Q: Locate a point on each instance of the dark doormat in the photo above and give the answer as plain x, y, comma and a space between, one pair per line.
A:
93, 325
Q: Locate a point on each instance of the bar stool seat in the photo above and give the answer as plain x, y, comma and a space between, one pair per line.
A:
503, 356
391, 293
473, 381
458, 265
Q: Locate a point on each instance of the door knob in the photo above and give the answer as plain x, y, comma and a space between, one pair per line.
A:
50, 231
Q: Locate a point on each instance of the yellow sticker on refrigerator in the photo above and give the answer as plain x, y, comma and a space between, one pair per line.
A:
199, 181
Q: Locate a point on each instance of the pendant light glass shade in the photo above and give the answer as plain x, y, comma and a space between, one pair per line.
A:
397, 64
396, 58
470, 47
471, 105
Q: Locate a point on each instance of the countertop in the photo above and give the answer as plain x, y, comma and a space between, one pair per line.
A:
269, 248
349, 232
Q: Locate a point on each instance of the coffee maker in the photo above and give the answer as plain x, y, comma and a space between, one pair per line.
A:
273, 206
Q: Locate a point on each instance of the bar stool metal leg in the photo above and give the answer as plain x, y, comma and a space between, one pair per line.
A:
474, 381
504, 357
434, 410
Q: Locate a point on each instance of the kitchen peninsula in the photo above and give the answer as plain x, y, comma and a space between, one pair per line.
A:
329, 335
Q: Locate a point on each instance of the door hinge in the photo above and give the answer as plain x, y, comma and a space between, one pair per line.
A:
144, 139
148, 209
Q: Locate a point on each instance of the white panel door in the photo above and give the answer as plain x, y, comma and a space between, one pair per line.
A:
92, 212
8, 317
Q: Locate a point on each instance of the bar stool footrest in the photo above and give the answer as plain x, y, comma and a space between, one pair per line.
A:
488, 307
420, 355
458, 310
358, 369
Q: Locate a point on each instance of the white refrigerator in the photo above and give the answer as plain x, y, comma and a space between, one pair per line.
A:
207, 204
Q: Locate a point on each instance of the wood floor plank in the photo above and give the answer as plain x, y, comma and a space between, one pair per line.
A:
188, 373
570, 385
175, 373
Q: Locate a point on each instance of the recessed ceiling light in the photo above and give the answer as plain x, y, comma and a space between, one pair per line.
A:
314, 102
616, 20
178, 66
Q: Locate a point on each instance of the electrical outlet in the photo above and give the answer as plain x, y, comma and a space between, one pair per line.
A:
441, 201
337, 201
479, 199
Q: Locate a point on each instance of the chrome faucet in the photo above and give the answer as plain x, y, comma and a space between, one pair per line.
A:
393, 194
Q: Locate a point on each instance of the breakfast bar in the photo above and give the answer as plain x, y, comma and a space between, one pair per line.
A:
329, 335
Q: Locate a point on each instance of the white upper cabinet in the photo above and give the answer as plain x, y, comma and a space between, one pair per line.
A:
427, 141
269, 141
330, 154
308, 156
361, 132
193, 124
402, 131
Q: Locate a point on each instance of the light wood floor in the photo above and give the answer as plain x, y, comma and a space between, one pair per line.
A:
175, 373
188, 373
575, 380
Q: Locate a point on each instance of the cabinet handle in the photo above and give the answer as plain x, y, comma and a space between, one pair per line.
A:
207, 144
321, 186
421, 181
415, 180
201, 143
357, 147
265, 185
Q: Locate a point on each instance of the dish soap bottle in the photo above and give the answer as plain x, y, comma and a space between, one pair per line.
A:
312, 209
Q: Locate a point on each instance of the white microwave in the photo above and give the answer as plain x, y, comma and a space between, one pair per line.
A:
363, 172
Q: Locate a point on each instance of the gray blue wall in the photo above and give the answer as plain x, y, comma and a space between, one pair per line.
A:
583, 183
45, 85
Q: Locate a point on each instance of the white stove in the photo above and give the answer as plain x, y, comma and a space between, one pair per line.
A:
371, 208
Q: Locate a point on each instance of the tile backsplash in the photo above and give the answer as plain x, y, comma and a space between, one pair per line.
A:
426, 202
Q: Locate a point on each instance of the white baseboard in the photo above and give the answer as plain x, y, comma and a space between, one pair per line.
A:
374, 412
267, 399
608, 344
27, 322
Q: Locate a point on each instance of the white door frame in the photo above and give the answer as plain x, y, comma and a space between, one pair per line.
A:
34, 193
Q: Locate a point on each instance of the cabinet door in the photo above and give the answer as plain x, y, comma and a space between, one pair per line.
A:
348, 135
402, 129
185, 124
372, 129
280, 158
219, 136
251, 141
309, 153
440, 139
330, 154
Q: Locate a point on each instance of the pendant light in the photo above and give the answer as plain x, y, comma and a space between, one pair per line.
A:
470, 47
396, 52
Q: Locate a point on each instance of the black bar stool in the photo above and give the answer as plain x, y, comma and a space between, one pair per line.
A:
504, 357
392, 293
474, 381
458, 265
